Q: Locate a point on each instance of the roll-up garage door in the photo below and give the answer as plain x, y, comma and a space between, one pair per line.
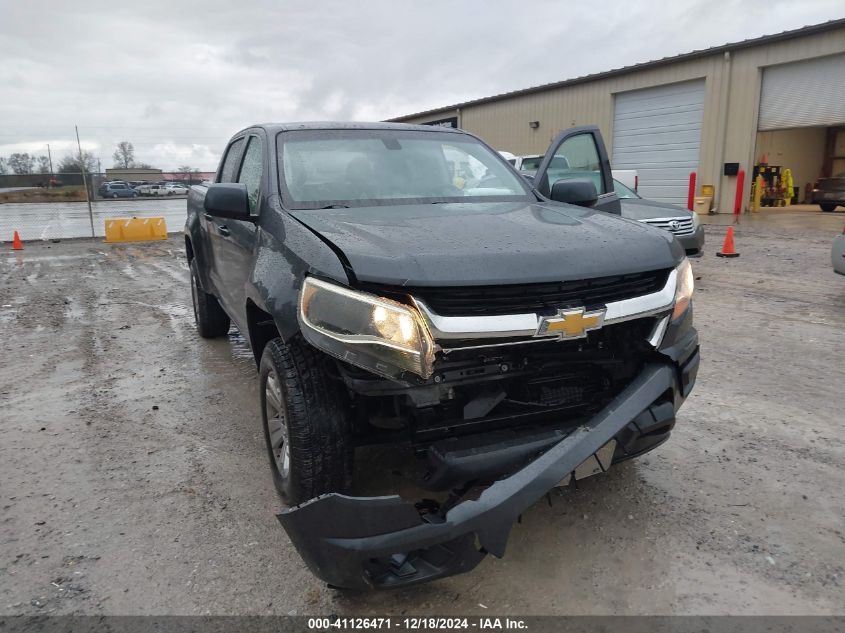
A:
803, 94
657, 131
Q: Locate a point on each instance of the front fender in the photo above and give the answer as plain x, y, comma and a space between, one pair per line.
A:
285, 253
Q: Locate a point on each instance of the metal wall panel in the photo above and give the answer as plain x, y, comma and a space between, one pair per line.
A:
803, 94
658, 132
731, 106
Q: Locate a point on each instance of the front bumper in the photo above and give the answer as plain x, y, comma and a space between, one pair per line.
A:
385, 542
693, 243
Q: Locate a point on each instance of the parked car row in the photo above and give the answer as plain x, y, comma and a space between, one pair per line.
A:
158, 189
123, 189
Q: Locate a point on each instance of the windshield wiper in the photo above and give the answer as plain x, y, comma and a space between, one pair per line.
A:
335, 206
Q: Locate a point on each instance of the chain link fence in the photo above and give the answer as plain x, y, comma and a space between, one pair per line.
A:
49, 206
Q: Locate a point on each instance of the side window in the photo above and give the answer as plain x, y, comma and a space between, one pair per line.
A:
577, 157
251, 171
233, 159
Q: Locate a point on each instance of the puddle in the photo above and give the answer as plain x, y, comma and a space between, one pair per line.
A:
74, 311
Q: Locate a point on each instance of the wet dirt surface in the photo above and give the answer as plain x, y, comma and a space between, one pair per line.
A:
134, 479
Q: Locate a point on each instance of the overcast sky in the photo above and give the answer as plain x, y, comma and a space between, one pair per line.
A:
178, 78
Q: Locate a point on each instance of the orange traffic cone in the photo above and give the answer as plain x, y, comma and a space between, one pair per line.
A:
17, 245
728, 246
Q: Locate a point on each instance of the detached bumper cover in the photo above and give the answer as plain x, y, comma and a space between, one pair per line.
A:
384, 542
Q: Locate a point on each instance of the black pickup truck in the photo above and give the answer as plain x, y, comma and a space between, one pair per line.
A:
404, 285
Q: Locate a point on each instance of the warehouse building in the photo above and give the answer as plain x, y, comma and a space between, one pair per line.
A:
778, 100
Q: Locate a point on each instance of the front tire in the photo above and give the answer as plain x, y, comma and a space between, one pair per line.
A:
211, 320
828, 208
306, 427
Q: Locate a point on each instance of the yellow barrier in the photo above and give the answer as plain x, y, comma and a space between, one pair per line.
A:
135, 229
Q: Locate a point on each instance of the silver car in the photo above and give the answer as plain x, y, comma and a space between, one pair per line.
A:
837, 254
683, 224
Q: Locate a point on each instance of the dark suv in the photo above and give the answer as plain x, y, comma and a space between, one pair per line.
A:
404, 285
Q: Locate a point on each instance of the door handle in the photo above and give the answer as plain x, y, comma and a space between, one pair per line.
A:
223, 230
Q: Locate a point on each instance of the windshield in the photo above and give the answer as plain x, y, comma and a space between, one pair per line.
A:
355, 168
623, 191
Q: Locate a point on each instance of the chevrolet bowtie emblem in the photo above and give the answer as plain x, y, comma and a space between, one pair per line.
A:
570, 323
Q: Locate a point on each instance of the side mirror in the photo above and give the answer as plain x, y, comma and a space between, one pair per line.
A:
575, 191
228, 200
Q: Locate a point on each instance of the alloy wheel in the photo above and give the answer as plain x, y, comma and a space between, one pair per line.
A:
277, 427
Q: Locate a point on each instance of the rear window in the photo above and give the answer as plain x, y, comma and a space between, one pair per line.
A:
531, 163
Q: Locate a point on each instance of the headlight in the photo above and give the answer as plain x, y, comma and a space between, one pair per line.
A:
683, 288
696, 221
378, 334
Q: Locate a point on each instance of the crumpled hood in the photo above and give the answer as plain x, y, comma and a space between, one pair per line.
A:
493, 243
639, 209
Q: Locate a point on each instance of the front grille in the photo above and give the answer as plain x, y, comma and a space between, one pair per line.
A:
521, 299
678, 226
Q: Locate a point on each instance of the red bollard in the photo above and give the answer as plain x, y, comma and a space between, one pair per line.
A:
740, 181
691, 194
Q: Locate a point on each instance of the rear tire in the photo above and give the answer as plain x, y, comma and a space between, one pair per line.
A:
306, 427
211, 320
828, 208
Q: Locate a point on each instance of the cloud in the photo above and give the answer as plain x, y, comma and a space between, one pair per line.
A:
178, 80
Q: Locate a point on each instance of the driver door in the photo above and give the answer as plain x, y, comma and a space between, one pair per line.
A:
579, 153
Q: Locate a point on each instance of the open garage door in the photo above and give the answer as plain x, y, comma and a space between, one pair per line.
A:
803, 94
657, 131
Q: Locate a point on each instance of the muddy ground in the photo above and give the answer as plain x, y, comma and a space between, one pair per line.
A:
133, 475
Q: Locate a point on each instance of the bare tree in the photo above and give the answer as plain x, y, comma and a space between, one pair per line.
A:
2, 165
43, 165
75, 163
124, 155
143, 166
21, 163
186, 172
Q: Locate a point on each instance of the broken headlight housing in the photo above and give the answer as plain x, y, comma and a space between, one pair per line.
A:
684, 286
380, 335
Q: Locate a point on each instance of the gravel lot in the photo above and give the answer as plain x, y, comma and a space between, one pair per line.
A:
133, 477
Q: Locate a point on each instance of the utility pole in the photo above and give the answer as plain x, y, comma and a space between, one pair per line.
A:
50, 159
84, 180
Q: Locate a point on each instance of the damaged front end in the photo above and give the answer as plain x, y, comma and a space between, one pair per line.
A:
497, 410
385, 542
